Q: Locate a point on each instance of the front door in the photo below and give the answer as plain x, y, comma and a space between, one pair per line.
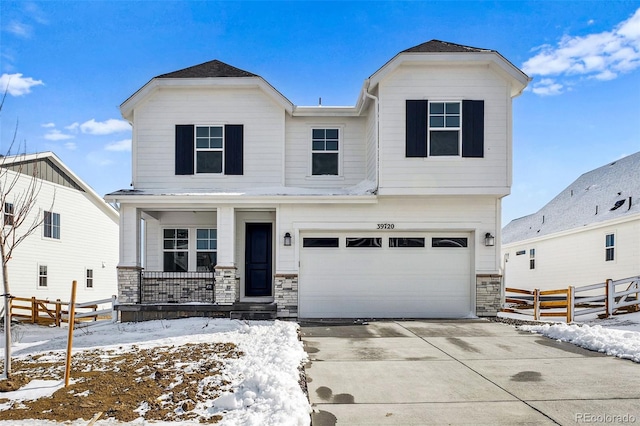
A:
258, 276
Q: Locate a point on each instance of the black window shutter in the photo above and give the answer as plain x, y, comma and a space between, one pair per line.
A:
416, 134
184, 149
473, 129
233, 149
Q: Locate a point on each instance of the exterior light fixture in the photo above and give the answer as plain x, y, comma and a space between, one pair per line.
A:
489, 240
287, 239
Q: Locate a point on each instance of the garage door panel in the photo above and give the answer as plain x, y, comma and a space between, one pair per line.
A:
385, 281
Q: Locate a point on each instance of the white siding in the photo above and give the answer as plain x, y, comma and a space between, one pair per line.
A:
154, 136
298, 151
432, 174
88, 240
371, 142
575, 259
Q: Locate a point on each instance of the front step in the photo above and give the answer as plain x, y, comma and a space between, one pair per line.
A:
254, 311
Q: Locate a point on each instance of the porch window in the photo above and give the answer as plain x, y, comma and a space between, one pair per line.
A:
206, 249
176, 250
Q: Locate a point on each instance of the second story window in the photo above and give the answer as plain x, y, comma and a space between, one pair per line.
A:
609, 250
324, 152
52, 225
8, 214
209, 149
532, 259
444, 128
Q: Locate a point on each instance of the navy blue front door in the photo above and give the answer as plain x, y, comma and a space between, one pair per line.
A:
258, 275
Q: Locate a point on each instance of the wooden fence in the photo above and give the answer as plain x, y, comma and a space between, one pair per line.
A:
46, 312
605, 299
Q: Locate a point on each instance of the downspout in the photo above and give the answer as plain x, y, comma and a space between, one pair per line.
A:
377, 131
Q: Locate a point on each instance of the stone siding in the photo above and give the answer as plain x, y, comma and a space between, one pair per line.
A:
129, 284
488, 295
286, 295
227, 285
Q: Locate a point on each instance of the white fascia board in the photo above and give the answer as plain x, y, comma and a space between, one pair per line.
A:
518, 78
175, 200
493, 191
127, 107
578, 230
325, 111
93, 196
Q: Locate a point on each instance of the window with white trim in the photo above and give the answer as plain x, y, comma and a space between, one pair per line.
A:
175, 250
52, 225
325, 152
609, 247
532, 258
209, 149
444, 128
206, 249
8, 214
89, 278
43, 276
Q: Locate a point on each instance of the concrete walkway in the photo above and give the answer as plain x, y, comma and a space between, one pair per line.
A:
461, 372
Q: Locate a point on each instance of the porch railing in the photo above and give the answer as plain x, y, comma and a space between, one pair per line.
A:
176, 287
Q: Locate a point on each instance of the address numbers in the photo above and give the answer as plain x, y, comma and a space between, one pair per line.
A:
386, 226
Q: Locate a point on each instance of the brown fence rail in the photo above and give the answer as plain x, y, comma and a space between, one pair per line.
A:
604, 299
46, 312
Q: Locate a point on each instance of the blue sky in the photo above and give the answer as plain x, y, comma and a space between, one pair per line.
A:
69, 65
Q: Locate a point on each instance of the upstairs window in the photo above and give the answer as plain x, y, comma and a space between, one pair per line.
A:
324, 152
209, 149
176, 250
8, 214
52, 225
609, 247
532, 259
443, 128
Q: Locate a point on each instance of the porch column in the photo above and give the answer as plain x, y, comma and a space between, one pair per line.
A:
129, 265
227, 286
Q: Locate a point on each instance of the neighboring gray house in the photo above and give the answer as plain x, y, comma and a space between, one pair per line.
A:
381, 209
588, 233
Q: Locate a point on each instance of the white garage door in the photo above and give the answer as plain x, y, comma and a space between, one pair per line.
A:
358, 275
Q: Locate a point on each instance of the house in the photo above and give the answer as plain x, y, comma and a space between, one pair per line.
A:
588, 233
388, 208
78, 237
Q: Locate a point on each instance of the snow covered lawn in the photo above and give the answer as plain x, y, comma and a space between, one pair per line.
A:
220, 371
616, 336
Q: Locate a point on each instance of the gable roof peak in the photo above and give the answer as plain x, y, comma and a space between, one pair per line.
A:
438, 46
209, 69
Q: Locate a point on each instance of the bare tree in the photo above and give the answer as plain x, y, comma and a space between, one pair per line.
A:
19, 190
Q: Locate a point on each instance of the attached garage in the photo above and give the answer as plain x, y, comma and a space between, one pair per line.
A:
385, 275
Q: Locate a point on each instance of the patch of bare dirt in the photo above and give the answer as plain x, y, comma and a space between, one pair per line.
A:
169, 383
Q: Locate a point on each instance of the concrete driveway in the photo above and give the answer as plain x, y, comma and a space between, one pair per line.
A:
461, 372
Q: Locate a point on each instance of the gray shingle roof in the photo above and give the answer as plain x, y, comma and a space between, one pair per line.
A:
606, 193
213, 68
437, 46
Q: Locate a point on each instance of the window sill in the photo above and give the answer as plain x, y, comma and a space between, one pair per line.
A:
328, 178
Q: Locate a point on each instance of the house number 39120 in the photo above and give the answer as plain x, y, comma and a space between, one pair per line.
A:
386, 226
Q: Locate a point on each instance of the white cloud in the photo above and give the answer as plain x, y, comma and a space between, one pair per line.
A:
600, 56
591, 22
71, 146
17, 85
108, 127
19, 29
73, 127
48, 125
547, 87
123, 145
57, 135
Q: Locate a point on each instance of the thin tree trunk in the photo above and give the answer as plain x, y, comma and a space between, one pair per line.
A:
7, 316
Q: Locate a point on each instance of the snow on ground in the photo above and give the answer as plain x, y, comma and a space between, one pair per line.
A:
264, 381
616, 336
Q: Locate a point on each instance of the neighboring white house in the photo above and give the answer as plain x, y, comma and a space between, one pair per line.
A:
375, 210
78, 239
588, 233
